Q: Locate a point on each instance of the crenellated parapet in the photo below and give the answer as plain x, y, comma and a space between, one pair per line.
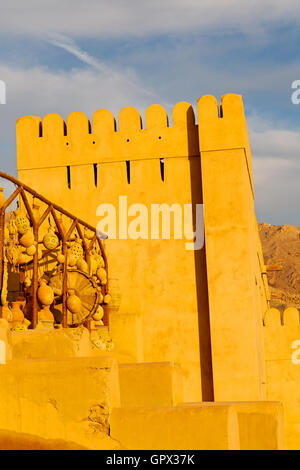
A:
51, 142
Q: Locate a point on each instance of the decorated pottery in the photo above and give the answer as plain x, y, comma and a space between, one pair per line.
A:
76, 249
50, 240
27, 239
2, 197
45, 293
21, 222
73, 302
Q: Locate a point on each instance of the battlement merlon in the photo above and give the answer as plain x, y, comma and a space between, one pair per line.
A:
54, 143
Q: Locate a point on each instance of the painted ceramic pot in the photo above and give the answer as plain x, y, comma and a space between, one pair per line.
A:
50, 240
27, 239
73, 302
45, 293
2, 197
21, 222
76, 249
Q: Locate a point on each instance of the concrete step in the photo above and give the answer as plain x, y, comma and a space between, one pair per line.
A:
176, 428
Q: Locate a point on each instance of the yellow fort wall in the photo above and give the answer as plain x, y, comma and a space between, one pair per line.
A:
161, 291
282, 347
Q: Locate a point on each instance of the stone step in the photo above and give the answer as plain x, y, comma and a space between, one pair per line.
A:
150, 384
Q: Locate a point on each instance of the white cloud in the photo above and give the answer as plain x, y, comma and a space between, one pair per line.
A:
104, 18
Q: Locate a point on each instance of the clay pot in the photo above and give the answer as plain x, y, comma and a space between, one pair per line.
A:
76, 249
73, 302
21, 222
82, 265
107, 298
17, 314
60, 258
31, 250
6, 312
98, 315
101, 275
50, 240
45, 314
27, 239
45, 293
2, 197
23, 258
71, 259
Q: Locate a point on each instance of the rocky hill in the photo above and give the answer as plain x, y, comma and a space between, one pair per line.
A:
281, 246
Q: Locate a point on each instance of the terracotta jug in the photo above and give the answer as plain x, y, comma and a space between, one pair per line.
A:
6, 312
45, 293
17, 314
73, 302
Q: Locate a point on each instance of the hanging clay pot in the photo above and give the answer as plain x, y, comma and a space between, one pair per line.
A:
31, 250
50, 240
27, 239
71, 260
73, 302
2, 197
107, 298
98, 315
82, 265
23, 258
101, 275
21, 222
60, 258
76, 249
45, 293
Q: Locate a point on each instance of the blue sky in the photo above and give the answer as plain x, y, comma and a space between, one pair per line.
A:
61, 56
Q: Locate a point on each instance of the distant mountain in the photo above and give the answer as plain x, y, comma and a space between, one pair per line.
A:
281, 246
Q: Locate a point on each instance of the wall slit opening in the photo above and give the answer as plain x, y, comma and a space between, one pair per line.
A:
69, 176
95, 166
128, 171
162, 168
